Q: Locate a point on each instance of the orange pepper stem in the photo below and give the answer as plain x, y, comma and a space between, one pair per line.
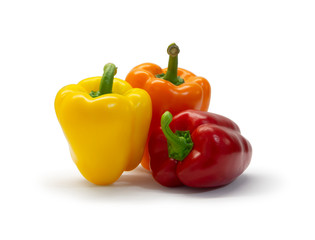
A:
106, 83
171, 74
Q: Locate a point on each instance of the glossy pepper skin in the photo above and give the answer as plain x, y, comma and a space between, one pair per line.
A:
212, 152
106, 132
173, 89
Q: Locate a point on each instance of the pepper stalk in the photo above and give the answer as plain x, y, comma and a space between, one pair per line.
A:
179, 143
106, 83
171, 73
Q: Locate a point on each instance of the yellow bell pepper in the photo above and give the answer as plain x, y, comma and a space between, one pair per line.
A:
106, 123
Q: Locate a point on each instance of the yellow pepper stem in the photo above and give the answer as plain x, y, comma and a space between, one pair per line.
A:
106, 83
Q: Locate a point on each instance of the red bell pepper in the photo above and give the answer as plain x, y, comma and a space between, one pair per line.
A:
206, 150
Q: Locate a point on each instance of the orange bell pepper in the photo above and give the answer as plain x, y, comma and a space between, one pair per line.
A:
171, 89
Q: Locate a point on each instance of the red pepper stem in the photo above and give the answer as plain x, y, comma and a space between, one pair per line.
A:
179, 143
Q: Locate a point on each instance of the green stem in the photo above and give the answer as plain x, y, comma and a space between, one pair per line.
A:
179, 143
106, 83
171, 74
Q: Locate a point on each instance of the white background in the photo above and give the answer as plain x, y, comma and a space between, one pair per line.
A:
259, 58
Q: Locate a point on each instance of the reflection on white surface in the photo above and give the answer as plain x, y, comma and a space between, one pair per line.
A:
138, 185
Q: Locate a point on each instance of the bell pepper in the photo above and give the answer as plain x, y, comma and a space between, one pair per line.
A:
206, 150
173, 89
106, 123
